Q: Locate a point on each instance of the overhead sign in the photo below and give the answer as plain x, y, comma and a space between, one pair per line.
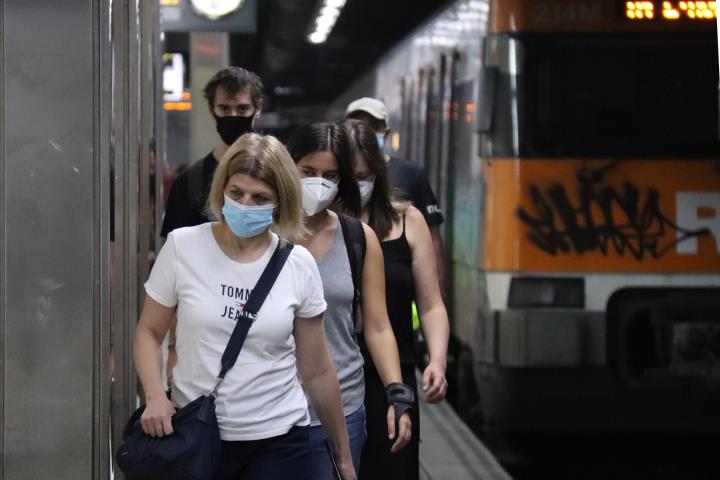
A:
173, 77
670, 10
233, 16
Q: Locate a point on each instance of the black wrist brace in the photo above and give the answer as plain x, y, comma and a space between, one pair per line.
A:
401, 396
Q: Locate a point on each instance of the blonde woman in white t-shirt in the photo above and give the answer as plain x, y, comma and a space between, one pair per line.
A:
205, 274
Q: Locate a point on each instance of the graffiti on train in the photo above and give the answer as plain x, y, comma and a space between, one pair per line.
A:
624, 220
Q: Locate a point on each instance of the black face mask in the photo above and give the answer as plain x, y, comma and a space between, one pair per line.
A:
232, 128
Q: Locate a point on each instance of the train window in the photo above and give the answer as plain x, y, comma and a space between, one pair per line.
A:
487, 79
629, 95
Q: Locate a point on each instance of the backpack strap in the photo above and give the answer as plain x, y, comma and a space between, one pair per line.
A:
196, 185
354, 236
252, 306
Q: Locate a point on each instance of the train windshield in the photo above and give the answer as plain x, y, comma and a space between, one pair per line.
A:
622, 96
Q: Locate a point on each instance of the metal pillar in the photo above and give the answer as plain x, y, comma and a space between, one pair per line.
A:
77, 96
209, 52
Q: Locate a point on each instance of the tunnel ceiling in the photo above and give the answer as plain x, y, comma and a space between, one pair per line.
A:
308, 74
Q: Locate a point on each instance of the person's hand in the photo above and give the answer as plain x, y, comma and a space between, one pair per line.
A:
346, 470
155, 420
405, 434
434, 384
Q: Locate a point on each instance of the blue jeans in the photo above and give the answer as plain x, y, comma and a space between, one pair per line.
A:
321, 465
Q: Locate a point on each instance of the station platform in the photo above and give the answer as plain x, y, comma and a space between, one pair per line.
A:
449, 450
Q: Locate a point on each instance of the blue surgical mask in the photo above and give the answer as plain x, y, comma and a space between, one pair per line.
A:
247, 221
381, 140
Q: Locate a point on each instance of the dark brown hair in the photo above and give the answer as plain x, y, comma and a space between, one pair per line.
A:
333, 138
234, 80
381, 212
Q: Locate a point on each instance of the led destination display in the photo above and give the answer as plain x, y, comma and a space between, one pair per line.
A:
671, 11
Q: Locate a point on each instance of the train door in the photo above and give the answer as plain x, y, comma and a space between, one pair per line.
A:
464, 210
462, 194
419, 118
432, 127
402, 148
447, 69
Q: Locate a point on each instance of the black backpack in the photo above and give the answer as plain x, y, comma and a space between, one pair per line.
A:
354, 236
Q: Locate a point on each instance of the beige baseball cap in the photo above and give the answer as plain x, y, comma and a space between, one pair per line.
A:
373, 106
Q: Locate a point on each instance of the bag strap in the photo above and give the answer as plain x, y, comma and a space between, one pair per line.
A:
250, 311
196, 184
354, 236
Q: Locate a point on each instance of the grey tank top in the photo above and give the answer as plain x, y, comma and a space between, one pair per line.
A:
334, 269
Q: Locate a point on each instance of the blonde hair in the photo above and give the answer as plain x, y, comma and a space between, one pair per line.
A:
264, 158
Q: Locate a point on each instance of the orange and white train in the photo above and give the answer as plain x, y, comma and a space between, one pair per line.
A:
574, 148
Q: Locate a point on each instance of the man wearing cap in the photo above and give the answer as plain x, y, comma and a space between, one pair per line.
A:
406, 177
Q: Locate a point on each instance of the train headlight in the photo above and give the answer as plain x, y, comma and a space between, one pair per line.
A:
546, 292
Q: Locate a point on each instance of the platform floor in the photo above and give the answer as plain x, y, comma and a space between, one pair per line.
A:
449, 450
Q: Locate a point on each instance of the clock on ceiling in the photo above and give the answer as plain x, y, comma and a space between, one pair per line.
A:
215, 9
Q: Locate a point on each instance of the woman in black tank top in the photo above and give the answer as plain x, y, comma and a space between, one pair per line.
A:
410, 275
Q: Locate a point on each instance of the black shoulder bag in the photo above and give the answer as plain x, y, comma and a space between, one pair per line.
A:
192, 452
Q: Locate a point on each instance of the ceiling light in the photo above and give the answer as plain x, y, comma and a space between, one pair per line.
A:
324, 29
325, 22
327, 13
317, 37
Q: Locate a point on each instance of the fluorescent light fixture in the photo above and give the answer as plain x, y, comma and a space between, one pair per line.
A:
327, 14
325, 22
317, 37
324, 29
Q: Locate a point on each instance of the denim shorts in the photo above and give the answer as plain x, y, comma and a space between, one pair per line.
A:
321, 466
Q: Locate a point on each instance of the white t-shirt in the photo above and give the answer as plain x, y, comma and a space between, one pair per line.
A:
261, 396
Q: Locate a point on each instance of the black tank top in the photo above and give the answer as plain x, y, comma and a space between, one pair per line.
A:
399, 293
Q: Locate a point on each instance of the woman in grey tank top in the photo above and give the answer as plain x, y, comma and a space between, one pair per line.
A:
323, 156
